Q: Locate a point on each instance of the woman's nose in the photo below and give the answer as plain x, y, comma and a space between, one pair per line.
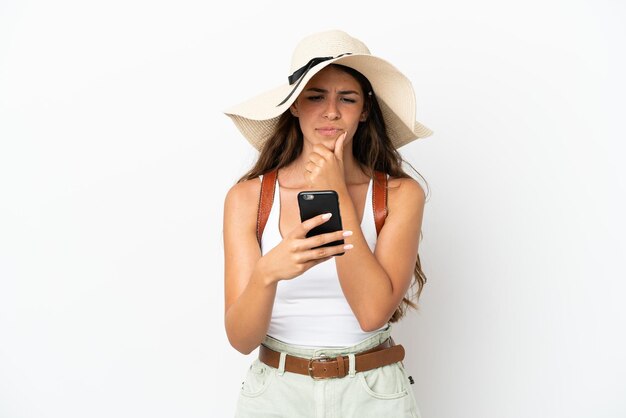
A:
332, 113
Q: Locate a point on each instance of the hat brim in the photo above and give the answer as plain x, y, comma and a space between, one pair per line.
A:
257, 117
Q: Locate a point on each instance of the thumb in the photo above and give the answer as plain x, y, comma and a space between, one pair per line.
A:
339, 146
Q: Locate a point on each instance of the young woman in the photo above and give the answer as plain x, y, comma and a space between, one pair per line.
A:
321, 320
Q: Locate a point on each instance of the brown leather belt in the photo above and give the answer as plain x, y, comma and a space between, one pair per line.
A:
324, 367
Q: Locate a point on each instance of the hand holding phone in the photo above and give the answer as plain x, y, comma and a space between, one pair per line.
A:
314, 203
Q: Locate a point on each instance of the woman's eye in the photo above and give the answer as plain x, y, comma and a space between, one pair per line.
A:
320, 98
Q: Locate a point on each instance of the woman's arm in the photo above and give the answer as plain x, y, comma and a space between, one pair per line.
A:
250, 279
375, 283
249, 293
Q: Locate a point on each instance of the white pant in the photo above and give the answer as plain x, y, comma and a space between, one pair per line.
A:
382, 392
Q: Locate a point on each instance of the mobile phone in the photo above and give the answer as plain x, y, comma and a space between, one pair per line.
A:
316, 202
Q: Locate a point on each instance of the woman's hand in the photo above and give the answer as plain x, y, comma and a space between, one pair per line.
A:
296, 254
324, 168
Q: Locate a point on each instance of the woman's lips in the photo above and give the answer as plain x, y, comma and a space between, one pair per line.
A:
329, 131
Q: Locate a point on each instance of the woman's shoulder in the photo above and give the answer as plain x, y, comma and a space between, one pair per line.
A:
405, 191
244, 195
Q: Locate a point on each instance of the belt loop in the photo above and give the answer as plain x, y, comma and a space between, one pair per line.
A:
281, 363
352, 365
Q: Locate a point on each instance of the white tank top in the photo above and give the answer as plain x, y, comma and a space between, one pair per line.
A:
311, 309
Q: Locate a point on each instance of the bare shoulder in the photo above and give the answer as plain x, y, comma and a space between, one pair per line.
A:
405, 192
244, 191
241, 202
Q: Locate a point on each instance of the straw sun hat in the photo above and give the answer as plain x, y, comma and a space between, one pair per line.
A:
257, 117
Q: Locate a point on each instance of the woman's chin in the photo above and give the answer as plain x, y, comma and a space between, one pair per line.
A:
328, 142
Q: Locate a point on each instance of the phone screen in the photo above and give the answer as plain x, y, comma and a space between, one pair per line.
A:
317, 202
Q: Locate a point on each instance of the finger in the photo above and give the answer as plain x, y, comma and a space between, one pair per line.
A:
316, 159
311, 223
324, 252
310, 166
339, 146
322, 151
322, 239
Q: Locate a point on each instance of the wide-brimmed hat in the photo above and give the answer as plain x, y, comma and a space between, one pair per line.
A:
256, 118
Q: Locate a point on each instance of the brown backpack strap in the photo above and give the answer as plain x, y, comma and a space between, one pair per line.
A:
379, 199
266, 200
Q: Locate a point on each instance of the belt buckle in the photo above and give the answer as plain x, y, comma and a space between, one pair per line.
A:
321, 358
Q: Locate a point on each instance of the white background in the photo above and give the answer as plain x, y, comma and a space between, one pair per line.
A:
115, 159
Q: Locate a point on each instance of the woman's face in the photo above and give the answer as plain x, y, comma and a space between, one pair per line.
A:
331, 103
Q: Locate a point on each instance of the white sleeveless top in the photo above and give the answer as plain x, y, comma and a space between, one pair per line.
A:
311, 309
